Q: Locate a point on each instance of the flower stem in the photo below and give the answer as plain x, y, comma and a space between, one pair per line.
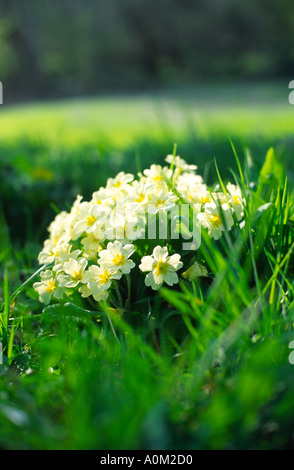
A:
129, 291
118, 295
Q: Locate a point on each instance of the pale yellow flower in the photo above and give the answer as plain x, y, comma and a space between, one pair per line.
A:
52, 251
102, 197
74, 273
236, 200
58, 228
180, 164
119, 186
48, 287
160, 200
138, 196
116, 257
158, 176
162, 268
216, 219
63, 257
97, 280
91, 219
91, 247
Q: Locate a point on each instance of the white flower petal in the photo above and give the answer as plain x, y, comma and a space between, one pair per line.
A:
146, 263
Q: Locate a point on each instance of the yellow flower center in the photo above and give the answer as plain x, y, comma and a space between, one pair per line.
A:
54, 253
215, 220
236, 200
161, 268
140, 198
51, 286
118, 260
104, 278
160, 203
191, 196
157, 178
205, 199
91, 220
77, 276
117, 184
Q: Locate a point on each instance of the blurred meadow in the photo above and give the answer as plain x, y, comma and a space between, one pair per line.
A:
92, 88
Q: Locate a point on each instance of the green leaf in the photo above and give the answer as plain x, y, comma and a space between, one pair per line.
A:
272, 170
182, 227
262, 209
69, 309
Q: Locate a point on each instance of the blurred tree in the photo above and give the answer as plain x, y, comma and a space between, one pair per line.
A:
7, 53
62, 47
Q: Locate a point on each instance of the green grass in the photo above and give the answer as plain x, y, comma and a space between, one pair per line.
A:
204, 366
246, 110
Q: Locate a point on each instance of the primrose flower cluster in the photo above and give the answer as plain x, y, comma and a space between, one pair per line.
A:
97, 243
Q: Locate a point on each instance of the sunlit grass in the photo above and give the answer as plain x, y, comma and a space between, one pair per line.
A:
243, 110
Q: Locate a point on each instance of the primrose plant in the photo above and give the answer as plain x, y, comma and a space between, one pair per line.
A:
135, 229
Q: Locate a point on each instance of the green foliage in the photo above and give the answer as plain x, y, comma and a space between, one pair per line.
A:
204, 366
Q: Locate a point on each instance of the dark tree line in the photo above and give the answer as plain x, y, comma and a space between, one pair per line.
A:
63, 47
